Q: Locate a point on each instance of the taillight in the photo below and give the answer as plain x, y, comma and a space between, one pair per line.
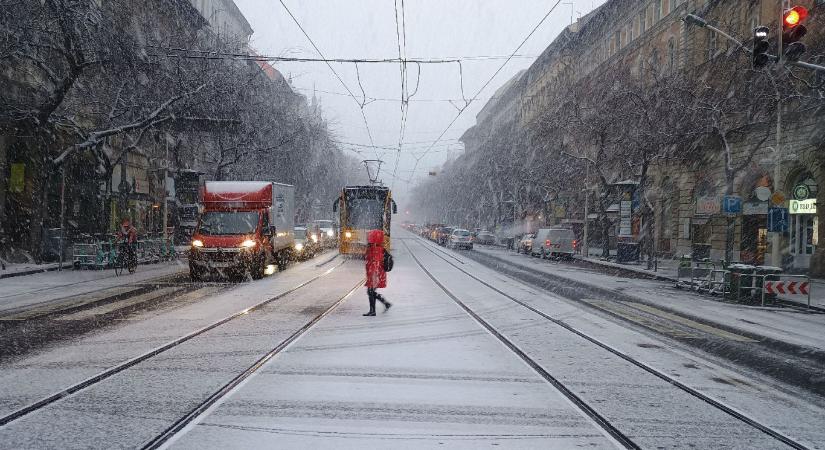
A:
575, 243
547, 243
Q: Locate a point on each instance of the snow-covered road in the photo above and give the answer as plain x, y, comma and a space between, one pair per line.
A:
425, 374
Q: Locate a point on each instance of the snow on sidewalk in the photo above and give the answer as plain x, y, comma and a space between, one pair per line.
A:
18, 292
422, 375
782, 324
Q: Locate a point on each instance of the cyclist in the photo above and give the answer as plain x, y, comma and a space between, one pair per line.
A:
127, 237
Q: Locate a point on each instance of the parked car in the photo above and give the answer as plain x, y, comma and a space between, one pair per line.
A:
485, 238
525, 244
443, 235
460, 238
555, 243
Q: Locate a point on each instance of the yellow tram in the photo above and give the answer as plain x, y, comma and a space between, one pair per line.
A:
361, 209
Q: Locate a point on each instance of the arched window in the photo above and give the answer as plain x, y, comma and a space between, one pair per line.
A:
671, 55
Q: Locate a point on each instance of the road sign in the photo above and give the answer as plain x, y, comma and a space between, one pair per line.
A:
787, 287
778, 220
777, 198
732, 205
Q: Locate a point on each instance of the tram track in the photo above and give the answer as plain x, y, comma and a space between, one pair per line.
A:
591, 412
226, 390
120, 367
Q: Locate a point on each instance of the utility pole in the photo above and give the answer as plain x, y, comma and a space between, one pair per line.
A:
586, 243
62, 215
165, 192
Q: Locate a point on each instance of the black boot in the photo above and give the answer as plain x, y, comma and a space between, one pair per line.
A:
371, 294
385, 302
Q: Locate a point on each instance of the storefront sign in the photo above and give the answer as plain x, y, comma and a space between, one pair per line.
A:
625, 224
708, 205
754, 208
801, 192
807, 206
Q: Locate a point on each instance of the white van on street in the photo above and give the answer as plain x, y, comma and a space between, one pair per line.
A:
555, 243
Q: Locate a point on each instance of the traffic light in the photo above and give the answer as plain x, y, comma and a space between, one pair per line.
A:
792, 31
760, 47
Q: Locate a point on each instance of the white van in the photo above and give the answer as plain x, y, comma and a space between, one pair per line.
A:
555, 243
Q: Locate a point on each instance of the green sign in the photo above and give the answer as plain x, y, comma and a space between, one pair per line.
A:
17, 180
801, 191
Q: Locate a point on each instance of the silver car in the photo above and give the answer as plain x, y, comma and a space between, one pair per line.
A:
460, 238
555, 243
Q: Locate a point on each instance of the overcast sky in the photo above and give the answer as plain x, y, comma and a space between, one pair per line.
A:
361, 29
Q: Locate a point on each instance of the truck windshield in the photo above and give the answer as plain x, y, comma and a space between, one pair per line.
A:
223, 223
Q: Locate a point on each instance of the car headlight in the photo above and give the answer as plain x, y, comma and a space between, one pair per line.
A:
299, 246
249, 243
314, 238
347, 235
330, 233
197, 243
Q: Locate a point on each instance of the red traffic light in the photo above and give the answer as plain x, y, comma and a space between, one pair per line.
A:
794, 16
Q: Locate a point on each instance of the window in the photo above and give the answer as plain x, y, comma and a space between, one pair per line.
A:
618, 39
671, 55
712, 45
642, 22
657, 10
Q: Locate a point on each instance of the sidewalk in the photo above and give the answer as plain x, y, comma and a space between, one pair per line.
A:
16, 270
667, 270
798, 328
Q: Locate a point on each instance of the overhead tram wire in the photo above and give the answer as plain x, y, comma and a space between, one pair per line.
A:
321, 54
402, 50
484, 86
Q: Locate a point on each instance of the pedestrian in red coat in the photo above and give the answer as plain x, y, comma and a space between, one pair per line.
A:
376, 275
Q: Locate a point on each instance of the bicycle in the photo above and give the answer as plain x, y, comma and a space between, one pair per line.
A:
125, 259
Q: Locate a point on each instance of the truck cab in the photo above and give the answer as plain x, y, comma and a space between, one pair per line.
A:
243, 228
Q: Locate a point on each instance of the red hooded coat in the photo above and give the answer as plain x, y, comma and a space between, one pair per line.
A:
376, 276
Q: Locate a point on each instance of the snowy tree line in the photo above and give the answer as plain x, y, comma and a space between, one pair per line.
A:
87, 83
632, 120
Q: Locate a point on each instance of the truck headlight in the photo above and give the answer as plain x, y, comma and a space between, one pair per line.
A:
249, 243
197, 243
299, 246
347, 235
330, 233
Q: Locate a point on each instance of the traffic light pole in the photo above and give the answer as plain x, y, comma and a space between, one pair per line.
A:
702, 23
776, 239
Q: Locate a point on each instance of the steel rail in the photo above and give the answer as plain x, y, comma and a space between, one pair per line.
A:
647, 368
57, 396
228, 388
600, 420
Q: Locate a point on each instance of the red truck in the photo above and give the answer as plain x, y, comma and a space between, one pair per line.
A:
246, 226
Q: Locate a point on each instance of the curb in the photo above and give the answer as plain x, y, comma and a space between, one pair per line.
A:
27, 272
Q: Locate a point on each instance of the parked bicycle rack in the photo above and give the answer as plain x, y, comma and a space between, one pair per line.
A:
101, 254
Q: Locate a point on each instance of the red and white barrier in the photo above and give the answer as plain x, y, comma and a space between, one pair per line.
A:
787, 287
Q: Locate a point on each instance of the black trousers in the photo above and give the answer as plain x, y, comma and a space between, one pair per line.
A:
374, 295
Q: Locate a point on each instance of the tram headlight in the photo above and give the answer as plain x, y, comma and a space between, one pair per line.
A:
299, 246
197, 243
249, 243
314, 238
347, 235
330, 233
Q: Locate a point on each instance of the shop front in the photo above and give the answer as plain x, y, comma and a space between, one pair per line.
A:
803, 232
